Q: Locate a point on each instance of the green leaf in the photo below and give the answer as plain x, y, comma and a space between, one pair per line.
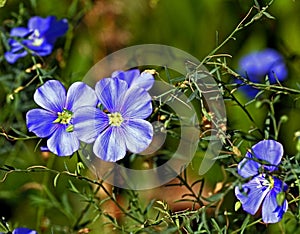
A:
268, 15
2, 3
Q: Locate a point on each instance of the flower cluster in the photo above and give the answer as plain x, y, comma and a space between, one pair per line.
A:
112, 116
38, 38
263, 190
257, 65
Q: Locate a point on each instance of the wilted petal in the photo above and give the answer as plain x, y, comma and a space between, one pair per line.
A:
138, 135
136, 104
40, 122
88, 123
51, 96
252, 194
80, 94
110, 93
272, 212
110, 145
270, 151
63, 143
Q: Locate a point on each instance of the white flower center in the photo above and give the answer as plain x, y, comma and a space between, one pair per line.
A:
37, 40
115, 119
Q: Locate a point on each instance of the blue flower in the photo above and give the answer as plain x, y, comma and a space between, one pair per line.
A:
39, 37
143, 80
22, 230
255, 66
55, 120
119, 124
263, 190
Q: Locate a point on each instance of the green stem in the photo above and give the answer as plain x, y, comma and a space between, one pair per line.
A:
45, 182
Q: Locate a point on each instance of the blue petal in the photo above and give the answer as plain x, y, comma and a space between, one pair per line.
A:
51, 96
252, 67
127, 76
80, 94
110, 145
272, 212
136, 104
88, 123
19, 32
270, 151
253, 194
145, 80
133, 78
277, 72
63, 143
138, 135
248, 167
40, 122
11, 57
22, 230
111, 92
42, 50
56, 29
39, 23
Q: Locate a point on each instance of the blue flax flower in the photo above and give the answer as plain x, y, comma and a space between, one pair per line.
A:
143, 80
39, 37
55, 120
22, 230
255, 66
263, 190
119, 124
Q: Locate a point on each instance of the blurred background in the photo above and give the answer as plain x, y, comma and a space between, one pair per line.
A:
100, 27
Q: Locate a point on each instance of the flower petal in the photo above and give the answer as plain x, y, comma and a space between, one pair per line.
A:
40, 122
272, 212
88, 123
56, 29
253, 194
248, 166
80, 94
138, 135
51, 96
22, 230
12, 57
19, 32
110, 145
270, 151
136, 104
145, 80
110, 93
278, 71
63, 143
39, 23
42, 50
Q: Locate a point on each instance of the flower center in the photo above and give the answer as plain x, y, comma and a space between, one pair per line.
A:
37, 40
266, 183
115, 119
65, 117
